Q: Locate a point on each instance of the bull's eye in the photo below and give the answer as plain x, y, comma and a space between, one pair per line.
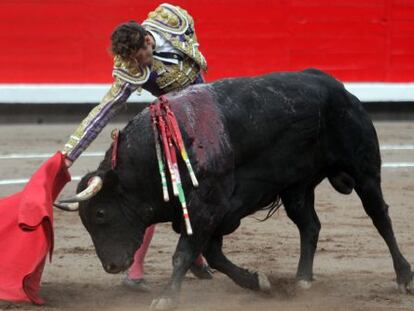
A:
100, 215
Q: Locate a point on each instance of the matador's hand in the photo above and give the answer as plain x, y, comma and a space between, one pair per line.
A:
68, 162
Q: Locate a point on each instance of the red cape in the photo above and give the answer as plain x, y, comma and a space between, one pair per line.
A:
26, 231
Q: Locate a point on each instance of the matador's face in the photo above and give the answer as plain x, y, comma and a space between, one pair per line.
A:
144, 54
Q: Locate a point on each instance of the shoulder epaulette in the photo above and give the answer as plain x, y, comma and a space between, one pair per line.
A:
170, 18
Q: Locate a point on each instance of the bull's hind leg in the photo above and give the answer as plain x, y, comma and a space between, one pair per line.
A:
244, 278
299, 205
369, 191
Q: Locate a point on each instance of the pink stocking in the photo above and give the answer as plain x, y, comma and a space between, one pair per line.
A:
199, 260
136, 271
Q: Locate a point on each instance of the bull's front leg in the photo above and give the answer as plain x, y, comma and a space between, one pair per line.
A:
188, 248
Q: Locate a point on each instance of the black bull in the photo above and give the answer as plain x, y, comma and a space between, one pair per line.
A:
252, 141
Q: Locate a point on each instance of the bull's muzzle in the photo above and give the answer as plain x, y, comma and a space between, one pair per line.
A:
72, 203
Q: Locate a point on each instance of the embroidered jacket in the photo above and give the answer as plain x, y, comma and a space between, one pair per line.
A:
170, 71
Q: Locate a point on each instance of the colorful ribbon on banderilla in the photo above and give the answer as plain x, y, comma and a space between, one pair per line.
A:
167, 139
114, 154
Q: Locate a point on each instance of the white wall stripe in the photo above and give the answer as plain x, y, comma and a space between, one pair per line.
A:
397, 164
18, 181
381, 92
49, 93
21, 93
397, 147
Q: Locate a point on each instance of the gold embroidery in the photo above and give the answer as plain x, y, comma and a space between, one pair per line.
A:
173, 21
173, 77
130, 71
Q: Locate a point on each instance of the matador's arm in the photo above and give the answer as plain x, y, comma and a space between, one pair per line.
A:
97, 118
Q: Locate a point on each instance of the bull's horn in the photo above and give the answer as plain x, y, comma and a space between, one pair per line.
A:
94, 185
69, 207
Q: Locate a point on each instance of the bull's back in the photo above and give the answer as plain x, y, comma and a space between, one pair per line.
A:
283, 111
267, 121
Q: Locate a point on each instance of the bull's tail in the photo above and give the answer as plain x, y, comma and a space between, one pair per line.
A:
355, 144
271, 208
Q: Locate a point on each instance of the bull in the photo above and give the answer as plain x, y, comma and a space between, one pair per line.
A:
255, 143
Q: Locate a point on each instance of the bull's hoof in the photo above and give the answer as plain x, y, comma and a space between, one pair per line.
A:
406, 283
304, 284
139, 285
163, 303
407, 288
264, 283
202, 272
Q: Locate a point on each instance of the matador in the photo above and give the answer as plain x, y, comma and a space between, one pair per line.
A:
159, 55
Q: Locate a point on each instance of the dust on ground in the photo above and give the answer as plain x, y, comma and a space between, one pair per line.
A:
353, 268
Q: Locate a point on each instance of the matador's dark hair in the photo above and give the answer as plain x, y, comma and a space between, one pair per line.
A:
127, 38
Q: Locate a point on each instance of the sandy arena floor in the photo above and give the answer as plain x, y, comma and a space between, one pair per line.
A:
353, 268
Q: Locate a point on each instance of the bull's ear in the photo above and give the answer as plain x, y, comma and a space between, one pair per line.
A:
111, 178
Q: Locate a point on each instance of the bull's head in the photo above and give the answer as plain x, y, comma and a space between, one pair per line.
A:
110, 215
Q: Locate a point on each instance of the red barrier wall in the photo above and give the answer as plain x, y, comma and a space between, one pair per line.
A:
66, 41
